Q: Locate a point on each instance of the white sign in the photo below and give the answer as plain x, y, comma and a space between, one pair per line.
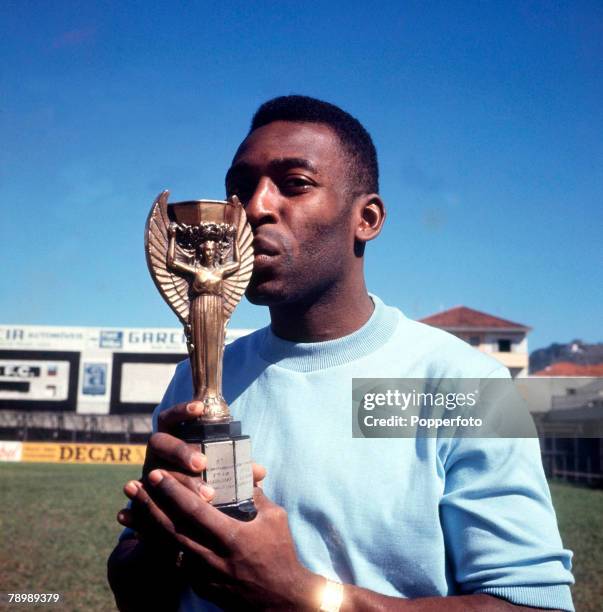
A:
10, 451
34, 380
122, 339
145, 382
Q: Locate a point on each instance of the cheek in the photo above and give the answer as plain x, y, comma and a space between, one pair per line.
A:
324, 254
316, 239
333, 241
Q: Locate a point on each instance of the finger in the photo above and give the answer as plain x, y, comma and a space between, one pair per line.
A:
189, 507
259, 473
201, 560
158, 529
168, 420
259, 499
131, 488
196, 485
124, 517
151, 522
175, 452
262, 502
156, 525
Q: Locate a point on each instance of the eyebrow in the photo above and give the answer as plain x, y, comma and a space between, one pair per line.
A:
279, 164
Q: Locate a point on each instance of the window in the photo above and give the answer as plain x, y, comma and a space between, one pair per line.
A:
474, 340
504, 346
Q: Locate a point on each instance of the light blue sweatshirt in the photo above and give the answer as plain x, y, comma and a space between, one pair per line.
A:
403, 517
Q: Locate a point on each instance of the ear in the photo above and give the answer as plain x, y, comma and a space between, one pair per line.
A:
370, 217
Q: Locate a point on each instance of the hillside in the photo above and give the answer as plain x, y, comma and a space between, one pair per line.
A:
576, 352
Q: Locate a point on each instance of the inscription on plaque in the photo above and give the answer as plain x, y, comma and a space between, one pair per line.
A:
220, 473
243, 468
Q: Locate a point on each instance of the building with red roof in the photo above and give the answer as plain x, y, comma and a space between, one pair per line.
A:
503, 339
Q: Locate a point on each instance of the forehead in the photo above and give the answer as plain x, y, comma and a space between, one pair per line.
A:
314, 142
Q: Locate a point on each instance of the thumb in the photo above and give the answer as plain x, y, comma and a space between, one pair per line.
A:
259, 473
260, 499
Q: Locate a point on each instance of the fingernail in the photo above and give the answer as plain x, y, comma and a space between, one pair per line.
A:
207, 491
194, 408
197, 462
155, 477
131, 487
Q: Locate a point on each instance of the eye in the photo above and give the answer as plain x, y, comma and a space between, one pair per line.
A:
296, 184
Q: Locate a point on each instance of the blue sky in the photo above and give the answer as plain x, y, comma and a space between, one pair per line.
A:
486, 116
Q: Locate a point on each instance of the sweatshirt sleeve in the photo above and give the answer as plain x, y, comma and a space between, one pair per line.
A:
499, 524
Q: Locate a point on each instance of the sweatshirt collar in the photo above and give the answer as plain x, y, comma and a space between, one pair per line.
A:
311, 356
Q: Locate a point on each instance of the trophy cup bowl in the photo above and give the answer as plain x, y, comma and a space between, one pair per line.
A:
195, 212
200, 256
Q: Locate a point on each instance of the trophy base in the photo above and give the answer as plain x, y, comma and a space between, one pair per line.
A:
243, 511
229, 469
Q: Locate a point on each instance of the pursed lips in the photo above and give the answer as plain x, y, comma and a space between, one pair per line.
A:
264, 246
265, 252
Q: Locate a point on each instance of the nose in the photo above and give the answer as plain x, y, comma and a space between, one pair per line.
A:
262, 206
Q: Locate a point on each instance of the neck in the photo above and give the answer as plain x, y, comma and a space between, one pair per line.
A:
334, 313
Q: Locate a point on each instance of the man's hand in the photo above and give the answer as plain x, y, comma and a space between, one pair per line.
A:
142, 570
230, 562
183, 461
137, 516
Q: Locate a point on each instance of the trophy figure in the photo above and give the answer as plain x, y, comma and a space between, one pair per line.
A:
200, 256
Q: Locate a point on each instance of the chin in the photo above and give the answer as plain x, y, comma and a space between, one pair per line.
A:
265, 298
268, 293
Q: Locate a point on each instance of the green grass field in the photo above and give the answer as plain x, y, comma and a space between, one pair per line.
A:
580, 517
58, 527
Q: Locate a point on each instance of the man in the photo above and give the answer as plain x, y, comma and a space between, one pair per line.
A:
404, 524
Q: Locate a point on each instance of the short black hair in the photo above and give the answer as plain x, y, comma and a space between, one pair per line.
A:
357, 142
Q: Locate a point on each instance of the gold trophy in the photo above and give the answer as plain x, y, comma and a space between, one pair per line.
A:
200, 255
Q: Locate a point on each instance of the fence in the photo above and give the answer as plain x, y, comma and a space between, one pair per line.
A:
16, 425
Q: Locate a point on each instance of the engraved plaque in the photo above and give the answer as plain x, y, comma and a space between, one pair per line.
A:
243, 471
220, 473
